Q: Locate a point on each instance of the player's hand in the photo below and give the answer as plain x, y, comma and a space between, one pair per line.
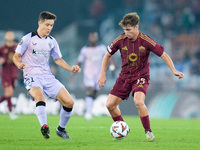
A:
75, 68
21, 66
101, 80
179, 74
2, 60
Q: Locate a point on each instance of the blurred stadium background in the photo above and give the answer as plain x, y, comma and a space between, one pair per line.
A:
174, 24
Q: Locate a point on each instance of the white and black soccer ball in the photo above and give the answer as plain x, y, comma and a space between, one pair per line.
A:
119, 129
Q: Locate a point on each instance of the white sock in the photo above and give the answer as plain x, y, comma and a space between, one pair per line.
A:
89, 104
41, 115
64, 117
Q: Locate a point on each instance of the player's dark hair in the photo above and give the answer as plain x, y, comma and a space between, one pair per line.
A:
46, 15
130, 19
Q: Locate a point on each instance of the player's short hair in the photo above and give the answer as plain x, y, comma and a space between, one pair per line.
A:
130, 19
46, 15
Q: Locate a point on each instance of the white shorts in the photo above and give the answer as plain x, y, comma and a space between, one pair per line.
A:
50, 86
90, 82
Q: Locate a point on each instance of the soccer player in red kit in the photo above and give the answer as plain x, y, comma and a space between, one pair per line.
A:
9, 71
135, 48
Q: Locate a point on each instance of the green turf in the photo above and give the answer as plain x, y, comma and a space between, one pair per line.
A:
172, 134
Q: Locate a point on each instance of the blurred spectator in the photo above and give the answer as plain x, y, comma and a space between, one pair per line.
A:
97, 9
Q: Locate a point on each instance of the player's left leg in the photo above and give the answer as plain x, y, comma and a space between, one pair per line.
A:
9, 90
65, 113
139, 98
111, 104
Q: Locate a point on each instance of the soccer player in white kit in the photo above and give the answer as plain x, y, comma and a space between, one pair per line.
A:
91, 56
32, 56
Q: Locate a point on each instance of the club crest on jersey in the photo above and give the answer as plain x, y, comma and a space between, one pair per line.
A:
141, 48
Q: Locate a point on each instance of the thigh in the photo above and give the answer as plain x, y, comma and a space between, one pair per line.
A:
65, 98
37, 94
113, 100
122, 88
141, 85
30, 82
51, 87
6, 82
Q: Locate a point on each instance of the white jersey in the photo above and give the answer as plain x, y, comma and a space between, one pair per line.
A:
35, 53
92, 59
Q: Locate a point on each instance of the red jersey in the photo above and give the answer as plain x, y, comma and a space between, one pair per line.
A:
8, 67
135, 54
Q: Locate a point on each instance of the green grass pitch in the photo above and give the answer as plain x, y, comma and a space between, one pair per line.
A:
171, 134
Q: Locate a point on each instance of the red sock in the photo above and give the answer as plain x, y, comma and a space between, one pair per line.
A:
118, 118
9, 103
146, 123
2, 98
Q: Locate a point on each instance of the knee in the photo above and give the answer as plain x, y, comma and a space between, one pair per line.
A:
110, 106
69, 103
139, 103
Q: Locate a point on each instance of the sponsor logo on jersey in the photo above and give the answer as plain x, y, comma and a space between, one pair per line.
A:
34, 43
39, 53
133, 57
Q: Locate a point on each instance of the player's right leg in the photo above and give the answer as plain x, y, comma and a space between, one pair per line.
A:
39, 99
111, 105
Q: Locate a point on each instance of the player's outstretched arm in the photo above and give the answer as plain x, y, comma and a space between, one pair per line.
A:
102, 76
17, 59
170, 64
60, 62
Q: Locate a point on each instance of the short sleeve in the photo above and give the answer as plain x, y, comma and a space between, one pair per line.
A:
55, 52
22, 46
113, 47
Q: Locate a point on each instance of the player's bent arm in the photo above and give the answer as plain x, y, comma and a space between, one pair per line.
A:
17, 59
170, 64
102, 76
60, 62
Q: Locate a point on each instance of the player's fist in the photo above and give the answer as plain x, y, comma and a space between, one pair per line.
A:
75, 68
21, 66
178, 74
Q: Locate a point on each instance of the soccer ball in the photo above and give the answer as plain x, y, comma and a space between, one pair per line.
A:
119, 129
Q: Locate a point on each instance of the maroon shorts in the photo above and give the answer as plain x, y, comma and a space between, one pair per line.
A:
124, 86
8, 81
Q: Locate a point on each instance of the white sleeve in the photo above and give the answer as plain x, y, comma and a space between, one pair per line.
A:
55, 52
22, 46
